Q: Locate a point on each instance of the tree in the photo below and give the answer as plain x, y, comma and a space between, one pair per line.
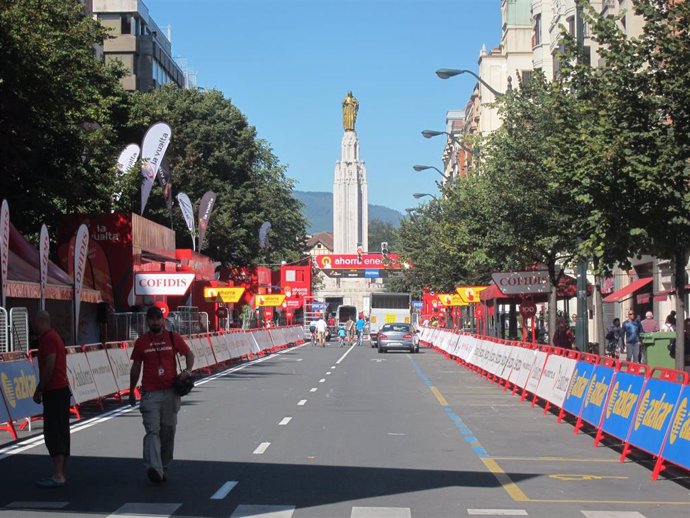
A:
62, 111
213, 147
381, 232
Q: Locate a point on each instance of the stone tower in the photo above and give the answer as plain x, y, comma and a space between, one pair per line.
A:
350, 200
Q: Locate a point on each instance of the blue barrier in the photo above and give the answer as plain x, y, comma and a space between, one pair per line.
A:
597, 395
677, 446
577, 390
622, 404
18, 384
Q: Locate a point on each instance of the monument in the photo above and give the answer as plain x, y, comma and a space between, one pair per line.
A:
350, 200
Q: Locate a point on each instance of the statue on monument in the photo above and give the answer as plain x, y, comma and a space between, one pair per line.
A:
350, 107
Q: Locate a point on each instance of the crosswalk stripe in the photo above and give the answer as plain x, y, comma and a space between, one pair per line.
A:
285, 421
263, 511
313, 389
224, 490
497, 512
139, 509
381, 512
612, 514
38, 504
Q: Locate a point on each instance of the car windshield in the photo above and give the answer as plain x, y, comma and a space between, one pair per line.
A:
399, 328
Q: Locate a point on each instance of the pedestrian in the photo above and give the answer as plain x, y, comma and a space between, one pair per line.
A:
650, 324
53, 391
156, 352
632, 333
360, 328
321, 327
564, 336
350, 328
614, 333
670, 323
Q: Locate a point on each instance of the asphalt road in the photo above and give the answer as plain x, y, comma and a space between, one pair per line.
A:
344, 432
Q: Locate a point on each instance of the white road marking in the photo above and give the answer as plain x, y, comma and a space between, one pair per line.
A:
612, 514
299, 359
322, 380
138, 510
224, 490
284, 421
332, 366
328, 373
28, 504
263, 511
313, 389
302, 402
497, 512
261, 448
381, 512
395, 433
344, 355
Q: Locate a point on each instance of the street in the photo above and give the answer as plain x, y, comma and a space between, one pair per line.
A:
343, 432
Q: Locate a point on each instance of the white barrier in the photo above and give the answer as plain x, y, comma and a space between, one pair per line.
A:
120, 364
80, 378
102, 372
555, 379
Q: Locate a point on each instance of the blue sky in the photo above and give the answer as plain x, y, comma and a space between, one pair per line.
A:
288, 64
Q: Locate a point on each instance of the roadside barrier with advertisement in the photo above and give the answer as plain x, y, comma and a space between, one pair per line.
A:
99, 371
648, 410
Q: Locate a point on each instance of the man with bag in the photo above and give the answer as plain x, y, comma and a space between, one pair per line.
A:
156, 352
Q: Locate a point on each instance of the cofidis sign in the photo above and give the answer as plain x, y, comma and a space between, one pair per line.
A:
162, 283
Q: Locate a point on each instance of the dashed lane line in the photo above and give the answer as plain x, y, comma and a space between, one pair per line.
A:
313, 389
261, 448
224, 490
497, 512
344, 355
139, 509
263, 511
302, 402
284, 421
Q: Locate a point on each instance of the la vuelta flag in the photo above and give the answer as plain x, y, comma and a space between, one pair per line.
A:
153, 150
165, 179
188, 214
81, 254
4, 246
44, 248
205, 208
128, 157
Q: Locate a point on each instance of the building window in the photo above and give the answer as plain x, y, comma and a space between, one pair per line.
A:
526, 75
126, 24
536, 36
571, 25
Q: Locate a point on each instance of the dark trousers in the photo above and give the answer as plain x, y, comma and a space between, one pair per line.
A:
56, 421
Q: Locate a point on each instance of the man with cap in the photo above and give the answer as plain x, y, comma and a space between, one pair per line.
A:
155, 353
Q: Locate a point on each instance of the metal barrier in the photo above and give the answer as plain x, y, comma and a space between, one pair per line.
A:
19, 329
125, 326
4, 336
188, 320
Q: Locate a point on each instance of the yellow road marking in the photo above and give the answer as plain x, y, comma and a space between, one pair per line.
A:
510, 487
556, 459
577, 477
624, 502
439, 396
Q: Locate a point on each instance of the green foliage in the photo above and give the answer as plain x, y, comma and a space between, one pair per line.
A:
62, 112
380, 232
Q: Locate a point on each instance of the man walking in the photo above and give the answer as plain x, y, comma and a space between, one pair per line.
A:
632, 329
360, 328
156, 352
53, 391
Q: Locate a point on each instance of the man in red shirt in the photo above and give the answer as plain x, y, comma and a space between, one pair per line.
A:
53, 391
156, 352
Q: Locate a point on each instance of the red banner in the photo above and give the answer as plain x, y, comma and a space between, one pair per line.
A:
354, 262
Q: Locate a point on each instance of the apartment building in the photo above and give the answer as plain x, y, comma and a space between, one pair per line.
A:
138, 43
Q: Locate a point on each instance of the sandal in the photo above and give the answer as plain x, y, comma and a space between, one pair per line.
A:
49, 482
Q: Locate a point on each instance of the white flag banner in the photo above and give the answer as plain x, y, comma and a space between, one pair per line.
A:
188, 214
81, 254
153, 150
44, 249
205, 208
4, 246
127, 159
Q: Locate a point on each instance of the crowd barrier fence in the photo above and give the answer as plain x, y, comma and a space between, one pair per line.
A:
645, 409
99, 371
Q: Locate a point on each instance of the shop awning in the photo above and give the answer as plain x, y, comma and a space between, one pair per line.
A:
660, 296
627, 292
566, 288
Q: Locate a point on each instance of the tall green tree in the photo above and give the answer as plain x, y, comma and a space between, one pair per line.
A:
381, 232
61, 110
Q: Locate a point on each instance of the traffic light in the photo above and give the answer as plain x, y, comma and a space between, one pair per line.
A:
384, 248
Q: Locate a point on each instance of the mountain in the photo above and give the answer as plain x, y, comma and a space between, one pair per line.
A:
318, 209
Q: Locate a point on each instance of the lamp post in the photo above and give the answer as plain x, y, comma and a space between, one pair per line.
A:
445, 73
418, 195
432, 133
425, 167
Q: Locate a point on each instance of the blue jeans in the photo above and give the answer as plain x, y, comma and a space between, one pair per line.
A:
632, 351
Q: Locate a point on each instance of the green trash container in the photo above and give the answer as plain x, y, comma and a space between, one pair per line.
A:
656, 345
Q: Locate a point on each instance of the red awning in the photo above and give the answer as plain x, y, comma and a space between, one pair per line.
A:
644, 298
627, 292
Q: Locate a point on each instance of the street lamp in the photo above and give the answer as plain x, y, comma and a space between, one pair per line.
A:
445, 73
425, 167
418, 195
432, 133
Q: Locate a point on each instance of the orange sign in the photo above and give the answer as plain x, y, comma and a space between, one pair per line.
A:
269, 300
451, 299
470, 294
229, 295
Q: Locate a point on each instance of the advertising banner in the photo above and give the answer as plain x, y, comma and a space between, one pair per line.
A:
677, 447
451, 299
81, 255
470, 294
80, 378
269, 300
120, 365
556, 378
227, 295
622, 403
354, 262
102, 372
44, 249
128, 157
536, 371
263, 235
18, 384
654, 415
153, 150
597, 395
575, 397
513, 283
188, 214
355, 274
165, 180
162, 283
205, 208
4, 247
